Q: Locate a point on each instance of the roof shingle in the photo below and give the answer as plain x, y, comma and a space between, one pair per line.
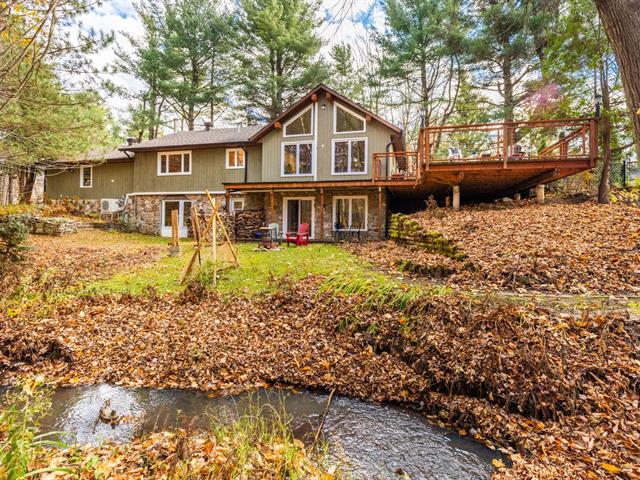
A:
195, 138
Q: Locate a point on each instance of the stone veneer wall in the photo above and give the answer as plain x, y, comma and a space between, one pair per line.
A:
83, 207
372, 233
404, 229
142, 213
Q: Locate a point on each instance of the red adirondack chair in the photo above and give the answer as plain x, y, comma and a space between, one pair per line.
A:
301, 237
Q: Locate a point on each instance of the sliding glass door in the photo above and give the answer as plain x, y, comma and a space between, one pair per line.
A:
298, 211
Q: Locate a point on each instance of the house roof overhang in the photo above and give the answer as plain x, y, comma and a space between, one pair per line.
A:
304, 101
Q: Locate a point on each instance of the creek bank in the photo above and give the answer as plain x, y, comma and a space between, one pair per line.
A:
365, 440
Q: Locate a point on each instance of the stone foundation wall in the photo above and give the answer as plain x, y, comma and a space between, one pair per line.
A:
77, 206
374, 230
403, 228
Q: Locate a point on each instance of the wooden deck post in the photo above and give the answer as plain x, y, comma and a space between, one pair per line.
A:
321, 213
380, 212
456, 197
272, 196
227, 197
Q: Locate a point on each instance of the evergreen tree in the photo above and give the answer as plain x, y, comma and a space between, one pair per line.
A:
277, 52
421, 46
504, 46
344, 77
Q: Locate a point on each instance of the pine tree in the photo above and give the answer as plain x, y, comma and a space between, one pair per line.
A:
277, 52
344, 77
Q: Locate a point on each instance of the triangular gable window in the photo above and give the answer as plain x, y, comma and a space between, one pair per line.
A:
300, 125
347, 121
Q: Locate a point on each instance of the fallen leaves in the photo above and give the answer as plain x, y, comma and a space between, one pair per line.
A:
556, 248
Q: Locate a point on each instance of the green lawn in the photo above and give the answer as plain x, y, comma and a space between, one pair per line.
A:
259, 271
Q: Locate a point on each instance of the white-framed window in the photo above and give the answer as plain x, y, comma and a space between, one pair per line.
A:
86, 177
237, 205
350, 212
301, 125
297, 159
235, 158
347, 121
349, 156
174, 163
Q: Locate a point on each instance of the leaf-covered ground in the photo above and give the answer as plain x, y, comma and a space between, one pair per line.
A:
559, 390
53, 264
556, 248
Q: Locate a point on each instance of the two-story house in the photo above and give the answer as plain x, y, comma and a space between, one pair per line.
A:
313, 164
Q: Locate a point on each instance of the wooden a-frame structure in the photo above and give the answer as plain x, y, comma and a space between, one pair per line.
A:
208, 234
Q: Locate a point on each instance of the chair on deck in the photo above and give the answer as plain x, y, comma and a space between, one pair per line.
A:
299, 238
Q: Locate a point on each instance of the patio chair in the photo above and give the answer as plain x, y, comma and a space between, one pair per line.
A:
299, 238
274, 231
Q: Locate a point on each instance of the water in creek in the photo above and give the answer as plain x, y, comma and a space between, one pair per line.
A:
373, 441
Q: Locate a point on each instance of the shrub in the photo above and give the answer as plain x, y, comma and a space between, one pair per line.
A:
13, 234
21, 442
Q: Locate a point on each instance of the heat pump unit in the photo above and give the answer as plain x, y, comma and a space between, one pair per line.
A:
110, 205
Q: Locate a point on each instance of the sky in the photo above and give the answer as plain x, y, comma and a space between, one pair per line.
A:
344, 21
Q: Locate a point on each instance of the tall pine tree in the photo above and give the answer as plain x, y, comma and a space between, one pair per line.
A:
277, 52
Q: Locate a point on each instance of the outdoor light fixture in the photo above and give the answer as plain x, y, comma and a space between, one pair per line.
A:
598, 104
324, 106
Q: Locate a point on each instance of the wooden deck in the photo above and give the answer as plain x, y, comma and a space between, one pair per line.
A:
489, 160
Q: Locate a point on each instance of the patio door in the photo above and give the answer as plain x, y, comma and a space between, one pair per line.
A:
184, 217
296, 212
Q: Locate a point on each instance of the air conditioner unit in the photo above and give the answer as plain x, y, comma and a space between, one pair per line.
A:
110, 205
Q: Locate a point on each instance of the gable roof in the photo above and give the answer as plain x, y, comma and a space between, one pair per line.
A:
302, 103
197, 138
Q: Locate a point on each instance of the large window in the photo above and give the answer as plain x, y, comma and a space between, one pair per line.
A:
174, 163
235, 158
86, 177
297, 158
350, 213
347, 121
349, 156
300, 125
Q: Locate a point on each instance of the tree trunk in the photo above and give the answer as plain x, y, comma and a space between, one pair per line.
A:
621, 19
509, 103
605, 132
29, 182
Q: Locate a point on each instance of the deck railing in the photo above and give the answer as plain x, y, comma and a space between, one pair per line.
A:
538, 140
395, 166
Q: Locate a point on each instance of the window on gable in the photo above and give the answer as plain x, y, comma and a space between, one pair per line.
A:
349, 156
235, 158
347, 121
297, 159
300, 125
86, 177
174, 163
350, 213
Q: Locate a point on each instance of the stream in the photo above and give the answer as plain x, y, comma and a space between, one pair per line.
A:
370, 441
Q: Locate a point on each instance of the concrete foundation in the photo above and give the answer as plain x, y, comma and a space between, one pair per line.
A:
456, 197
540, 194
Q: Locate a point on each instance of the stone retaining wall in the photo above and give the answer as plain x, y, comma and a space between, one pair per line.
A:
403, 228
57, 226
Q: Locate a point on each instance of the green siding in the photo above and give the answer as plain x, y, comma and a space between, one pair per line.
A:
110, 180
377, 135
208, 172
